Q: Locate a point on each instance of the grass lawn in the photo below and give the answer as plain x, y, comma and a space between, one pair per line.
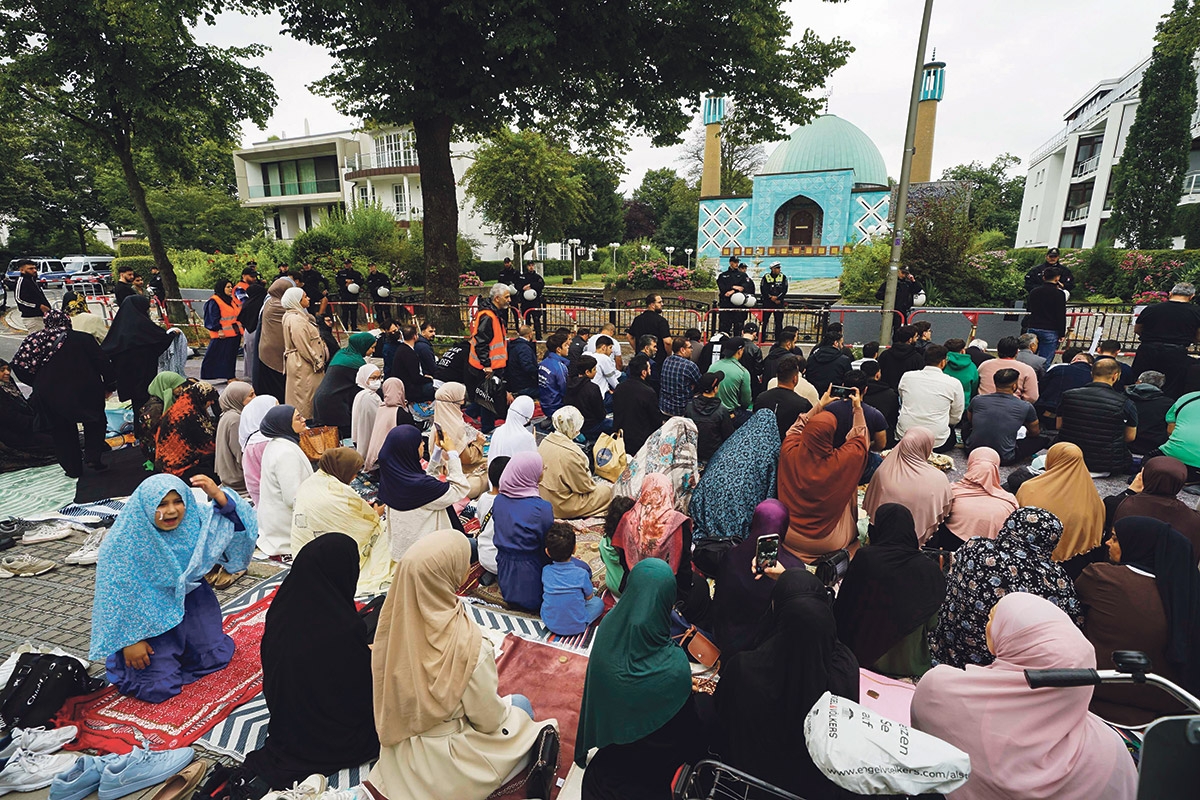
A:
590, 280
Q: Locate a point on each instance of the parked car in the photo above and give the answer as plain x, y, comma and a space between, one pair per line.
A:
45, 265
95, 271
3, 296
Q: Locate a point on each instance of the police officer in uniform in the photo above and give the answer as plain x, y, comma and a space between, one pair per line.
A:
730, 282
377, 280
349, 311
532, 310
774, 288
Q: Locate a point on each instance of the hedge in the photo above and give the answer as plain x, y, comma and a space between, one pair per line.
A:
141, 264
133, 249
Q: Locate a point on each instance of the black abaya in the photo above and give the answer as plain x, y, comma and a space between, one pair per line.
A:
68, 390
316, 670
334, 399
133, 345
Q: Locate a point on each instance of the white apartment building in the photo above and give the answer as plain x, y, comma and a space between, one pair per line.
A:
297, 181
1068, 187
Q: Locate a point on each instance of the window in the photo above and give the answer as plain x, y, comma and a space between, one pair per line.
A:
364, 199
541, 251
301, 176
1071, 238
396, 149
400, 199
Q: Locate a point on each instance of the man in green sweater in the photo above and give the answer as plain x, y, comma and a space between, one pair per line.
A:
734, 390
961, 367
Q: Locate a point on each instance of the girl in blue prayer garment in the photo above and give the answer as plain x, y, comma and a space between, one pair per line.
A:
155, 620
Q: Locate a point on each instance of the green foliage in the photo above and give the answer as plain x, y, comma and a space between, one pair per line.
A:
523, 183
666, 208
141, 264
601, 218
132, 249
201, 218
995, 198
656, 191
937, 241
1187, 224
367, 229
268, 253
864, 268
989, 240
313, 243
1146, 184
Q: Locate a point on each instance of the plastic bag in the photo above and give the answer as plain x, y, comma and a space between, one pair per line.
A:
868, 754
610, 456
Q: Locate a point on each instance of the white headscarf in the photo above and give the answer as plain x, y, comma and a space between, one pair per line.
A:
513, 437
252, 417
362, 412
292, 298
568, 421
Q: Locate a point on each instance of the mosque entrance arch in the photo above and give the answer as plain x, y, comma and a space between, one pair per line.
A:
798, 223
801, 228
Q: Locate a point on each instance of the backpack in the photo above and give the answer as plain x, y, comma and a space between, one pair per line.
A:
39, 686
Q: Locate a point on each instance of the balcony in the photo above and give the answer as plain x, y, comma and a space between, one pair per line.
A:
1076, 213
298, 188
1085, 168
367, 165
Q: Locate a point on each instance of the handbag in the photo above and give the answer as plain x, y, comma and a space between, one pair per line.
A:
830, 567
315, 441
38, 687
539, 780
492, 395
610, 456
694, 642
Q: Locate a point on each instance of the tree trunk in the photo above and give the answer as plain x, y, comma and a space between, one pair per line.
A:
440, 199
82, 237
175, 307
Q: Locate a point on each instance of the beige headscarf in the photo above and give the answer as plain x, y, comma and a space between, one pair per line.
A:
568, 421
427, 646
906, 477
447, 412
385, 420
270, 328
1067, 491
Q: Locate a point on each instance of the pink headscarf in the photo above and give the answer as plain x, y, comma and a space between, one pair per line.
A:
980, 503
907, 478
522, 475
1033, 744
385, 420
651, 529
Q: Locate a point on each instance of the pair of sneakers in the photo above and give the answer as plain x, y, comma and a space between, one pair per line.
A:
315, 787
118, 775
31, 758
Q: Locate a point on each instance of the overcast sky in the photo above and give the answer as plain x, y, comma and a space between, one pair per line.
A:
1013, 69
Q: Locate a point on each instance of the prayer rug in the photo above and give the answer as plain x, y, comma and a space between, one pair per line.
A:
553, 682
114, 723
35, 491
528, 626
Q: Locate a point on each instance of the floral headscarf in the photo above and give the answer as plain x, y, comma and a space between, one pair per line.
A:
40, 346
652, 528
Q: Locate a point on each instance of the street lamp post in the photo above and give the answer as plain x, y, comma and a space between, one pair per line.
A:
519, 239
670, 252
612, 249
689, 252
645, 251
574, 268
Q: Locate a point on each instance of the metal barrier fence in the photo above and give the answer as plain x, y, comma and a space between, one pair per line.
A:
860, 324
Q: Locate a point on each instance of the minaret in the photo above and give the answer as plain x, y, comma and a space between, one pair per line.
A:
933, 85
710, 178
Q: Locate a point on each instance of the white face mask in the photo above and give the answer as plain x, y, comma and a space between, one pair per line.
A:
374, 386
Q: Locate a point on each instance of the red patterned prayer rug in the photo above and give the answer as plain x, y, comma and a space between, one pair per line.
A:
115, 723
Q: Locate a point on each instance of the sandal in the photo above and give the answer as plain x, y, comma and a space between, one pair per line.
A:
184, 783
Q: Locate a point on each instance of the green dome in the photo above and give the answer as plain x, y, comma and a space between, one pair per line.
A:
829, 142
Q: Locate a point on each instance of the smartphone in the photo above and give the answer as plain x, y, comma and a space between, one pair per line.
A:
438, 436
766, 553
841, 392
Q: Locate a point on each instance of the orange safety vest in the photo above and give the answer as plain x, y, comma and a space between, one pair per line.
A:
229, 320
497, 350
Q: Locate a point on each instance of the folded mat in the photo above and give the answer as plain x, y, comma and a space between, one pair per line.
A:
37, 490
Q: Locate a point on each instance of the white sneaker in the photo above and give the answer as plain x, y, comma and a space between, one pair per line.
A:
353, 793
28, 771
311, 788
46, 533
39, 740
24, 566
89, 552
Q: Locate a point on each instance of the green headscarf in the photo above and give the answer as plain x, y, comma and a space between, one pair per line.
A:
163, 387
352, 355
637, 678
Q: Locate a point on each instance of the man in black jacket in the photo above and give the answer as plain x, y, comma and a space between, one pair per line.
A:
424, 347
907, 288
783, 400
377, 280
900, 358
521, 374
1033, 278
827, 363
31, 300
881, 397
1101, 420
534, 311
1152, 407
313, 283
406, 365
1047, 317
785, 345
729, 283
774, 288
714, 422
635, 405
349, 283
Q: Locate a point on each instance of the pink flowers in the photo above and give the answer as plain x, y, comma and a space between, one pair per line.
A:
469, 279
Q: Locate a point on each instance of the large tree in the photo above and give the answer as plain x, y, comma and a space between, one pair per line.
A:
131, 77
521, 182
602, 217
1147, 183
995, 197
470, 67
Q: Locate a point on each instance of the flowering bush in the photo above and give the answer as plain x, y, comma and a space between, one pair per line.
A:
469, 279
658, 274
1002, 275
1145, 298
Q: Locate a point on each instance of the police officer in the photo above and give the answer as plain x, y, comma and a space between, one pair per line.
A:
774, 288
1033, 278
347, 276
377, 280
729, 283
532, 310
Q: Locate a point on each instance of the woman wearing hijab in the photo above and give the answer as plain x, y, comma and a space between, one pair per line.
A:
304, 354
521, 519
156, 623
163, 390
819, 482
326, 503
741, 599
889, 600
392, 411
70, 376
224, 332
448, 403
82, 318
334, 401
906, 477
637, 699
418, 502
1147, 599
653, 528
513, 436
739, 476
20, 445
766, 690
1066, 490
133, 345
249, 317
269, 372
229, 449
253, 442
445, 730
369, 380
284, 469
672, 451
186, 442
979, 505
567, 480
1034, 744
984, 570
316, 663
1162, 479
